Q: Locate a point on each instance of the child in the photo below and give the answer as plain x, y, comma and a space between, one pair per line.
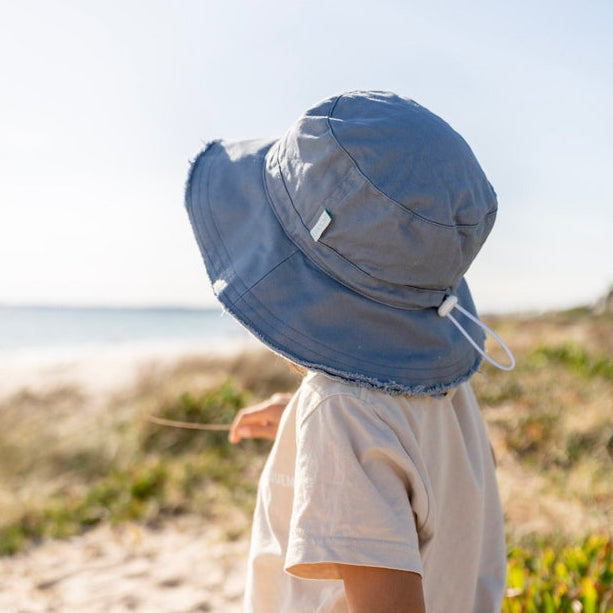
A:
343, 247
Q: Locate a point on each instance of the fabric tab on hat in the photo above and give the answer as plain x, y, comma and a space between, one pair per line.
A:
322, 223
219, 286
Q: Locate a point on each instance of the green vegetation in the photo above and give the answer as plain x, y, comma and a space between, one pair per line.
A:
561, 579
68, 465
575, 358
552, 415
120, 466
551, 427
171, 471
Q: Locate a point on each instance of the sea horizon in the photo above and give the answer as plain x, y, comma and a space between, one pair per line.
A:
28, 327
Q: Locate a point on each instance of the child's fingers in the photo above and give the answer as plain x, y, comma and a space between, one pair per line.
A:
249, 423
268, 431
243, 425
259, 421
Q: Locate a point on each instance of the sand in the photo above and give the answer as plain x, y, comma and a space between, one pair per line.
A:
101, 370
184, 565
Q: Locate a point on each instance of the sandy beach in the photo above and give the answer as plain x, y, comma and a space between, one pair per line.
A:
181, 565
101, 370
184, 566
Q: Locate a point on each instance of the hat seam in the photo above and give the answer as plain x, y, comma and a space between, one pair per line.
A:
225, 256
296, 335
307, 255
323, 204
222, 262
246, 290
441, 292
201, 229
423, 290
256, 283
355, 378
388, 197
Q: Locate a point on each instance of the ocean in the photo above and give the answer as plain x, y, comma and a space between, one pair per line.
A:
28, 328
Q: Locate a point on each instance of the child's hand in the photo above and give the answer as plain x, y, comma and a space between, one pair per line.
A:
259, 421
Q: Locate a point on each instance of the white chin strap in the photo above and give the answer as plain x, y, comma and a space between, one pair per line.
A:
450, 303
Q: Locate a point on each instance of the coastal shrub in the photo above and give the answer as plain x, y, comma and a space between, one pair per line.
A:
533, 434
543, 578
217, 406
575, 358
168, 471
590, 441
553, 410
133, 494
499, 390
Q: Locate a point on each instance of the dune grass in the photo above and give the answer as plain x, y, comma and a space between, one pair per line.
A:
66, 467
552, 414
61, 474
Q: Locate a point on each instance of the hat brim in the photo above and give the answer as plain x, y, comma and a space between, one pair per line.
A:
273, 289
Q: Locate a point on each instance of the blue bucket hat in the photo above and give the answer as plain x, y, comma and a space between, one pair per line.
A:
343, 245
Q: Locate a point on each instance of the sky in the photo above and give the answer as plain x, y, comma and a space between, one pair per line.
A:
104, 103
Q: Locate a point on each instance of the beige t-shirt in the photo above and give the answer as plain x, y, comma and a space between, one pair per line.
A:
360, 477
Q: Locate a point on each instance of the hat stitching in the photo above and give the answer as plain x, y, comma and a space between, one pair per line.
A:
245, 291
224, 258
403, 208
192, 186
297, 335
390, 386
280, 148
221, 265
263, 277
440, 292
204, 228
435, 294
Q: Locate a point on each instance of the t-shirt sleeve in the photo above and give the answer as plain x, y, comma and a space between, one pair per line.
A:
352, 500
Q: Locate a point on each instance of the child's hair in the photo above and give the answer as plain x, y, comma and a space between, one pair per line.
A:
299, 370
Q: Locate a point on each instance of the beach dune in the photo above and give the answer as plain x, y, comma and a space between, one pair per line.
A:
547, 421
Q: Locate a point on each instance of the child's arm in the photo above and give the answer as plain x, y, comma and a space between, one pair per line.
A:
381, 590
259, 421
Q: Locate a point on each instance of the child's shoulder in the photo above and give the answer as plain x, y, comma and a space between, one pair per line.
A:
318, 387
319, 390
341, 402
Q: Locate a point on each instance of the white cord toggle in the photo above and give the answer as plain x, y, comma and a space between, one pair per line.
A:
450, 303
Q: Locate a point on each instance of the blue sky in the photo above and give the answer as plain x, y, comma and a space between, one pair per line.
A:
104, 103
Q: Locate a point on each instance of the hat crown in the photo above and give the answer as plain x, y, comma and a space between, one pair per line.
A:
410, 206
